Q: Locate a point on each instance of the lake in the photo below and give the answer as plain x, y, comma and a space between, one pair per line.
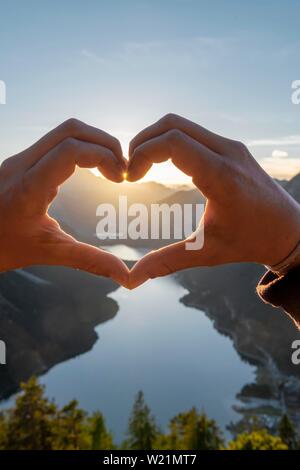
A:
154, 344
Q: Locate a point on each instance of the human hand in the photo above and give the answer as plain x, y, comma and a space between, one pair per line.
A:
29, 181
248, 216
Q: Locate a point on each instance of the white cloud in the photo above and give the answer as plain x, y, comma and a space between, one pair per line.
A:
279, 154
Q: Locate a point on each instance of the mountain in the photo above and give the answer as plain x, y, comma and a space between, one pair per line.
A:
293, 187
188, 196
48, 315
227, 295
76, 204
282, 183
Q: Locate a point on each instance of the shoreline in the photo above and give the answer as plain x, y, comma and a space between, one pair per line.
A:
284, 389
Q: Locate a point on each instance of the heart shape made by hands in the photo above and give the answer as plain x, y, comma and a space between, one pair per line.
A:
234, 185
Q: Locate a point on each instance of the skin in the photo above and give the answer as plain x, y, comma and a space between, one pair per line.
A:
29, 182
248, 216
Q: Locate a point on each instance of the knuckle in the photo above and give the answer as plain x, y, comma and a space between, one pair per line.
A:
231, 174
225, 170
115, 141
131, 148
72, 126
139, 153
219, 178
174, 136
8, 165
240, 148
116, 144
170, 119
68, 146
133, 145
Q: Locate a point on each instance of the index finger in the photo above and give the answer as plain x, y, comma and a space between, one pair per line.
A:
214, 142
187, 154
72, 128
60, 163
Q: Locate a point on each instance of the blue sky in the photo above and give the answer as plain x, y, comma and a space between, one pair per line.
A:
121, 65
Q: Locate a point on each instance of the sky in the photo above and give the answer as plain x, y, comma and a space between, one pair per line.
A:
122, 64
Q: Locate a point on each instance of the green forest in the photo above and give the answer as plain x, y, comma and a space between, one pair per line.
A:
37, 423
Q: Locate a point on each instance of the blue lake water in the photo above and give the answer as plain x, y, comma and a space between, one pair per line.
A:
156, 344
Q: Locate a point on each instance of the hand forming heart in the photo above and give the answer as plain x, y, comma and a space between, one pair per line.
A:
248, 216
29, 182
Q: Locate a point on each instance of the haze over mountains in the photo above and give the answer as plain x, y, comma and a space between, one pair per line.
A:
75, 207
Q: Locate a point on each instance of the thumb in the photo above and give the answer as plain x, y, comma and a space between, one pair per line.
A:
88, 258
164, 261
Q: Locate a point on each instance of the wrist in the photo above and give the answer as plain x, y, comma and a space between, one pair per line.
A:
289, 262
284, 236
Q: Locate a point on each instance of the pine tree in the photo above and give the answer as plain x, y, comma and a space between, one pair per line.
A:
287, 432
194, 431
142, 429
100, 437
70, 428
30, 422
